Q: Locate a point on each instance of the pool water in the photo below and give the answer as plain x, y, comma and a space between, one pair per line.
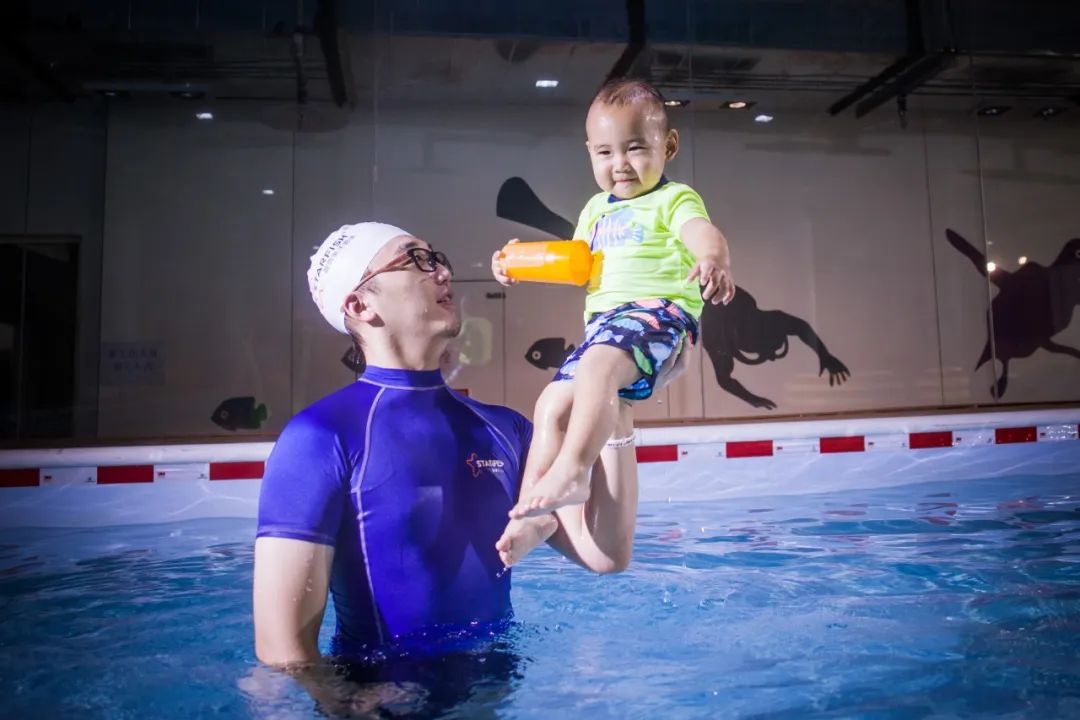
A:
941, 600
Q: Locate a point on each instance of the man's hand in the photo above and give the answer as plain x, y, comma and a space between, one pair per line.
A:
714, 274
498, 270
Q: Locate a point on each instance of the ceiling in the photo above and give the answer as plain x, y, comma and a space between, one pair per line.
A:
487, 51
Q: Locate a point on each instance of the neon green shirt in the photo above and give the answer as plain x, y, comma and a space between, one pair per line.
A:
642, 254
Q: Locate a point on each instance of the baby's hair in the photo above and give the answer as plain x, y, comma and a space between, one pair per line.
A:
629, 91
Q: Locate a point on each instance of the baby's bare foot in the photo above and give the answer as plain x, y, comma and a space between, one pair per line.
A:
556, 489
522, 535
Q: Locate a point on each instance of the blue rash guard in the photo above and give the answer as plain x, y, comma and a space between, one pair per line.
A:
410, 483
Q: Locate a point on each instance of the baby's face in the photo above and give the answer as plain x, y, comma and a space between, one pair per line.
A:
628, 147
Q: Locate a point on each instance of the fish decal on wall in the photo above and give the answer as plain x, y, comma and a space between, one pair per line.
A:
548, 353
240, 413
353, 359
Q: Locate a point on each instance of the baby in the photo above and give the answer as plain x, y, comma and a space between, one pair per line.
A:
656, 241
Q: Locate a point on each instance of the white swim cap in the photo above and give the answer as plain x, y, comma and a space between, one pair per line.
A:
341, 261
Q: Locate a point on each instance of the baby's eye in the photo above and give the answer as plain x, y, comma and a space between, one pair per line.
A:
634, 148
603, 153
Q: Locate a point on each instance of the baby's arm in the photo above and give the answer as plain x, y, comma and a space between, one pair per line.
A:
498, 270
713, 266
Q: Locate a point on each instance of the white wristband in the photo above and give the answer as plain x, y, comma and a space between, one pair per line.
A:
622, 442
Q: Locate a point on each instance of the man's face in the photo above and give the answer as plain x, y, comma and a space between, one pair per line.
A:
628, 147
409, 301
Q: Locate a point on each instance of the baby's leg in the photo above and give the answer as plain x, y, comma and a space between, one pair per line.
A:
603, 369
550, 417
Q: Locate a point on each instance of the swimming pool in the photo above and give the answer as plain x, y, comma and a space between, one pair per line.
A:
866, 594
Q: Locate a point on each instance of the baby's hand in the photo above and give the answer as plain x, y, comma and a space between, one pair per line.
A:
714, 274
498, 270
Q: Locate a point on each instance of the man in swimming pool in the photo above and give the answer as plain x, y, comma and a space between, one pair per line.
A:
392, 492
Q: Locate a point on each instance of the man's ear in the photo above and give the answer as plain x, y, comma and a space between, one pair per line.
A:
358, 308
671, 144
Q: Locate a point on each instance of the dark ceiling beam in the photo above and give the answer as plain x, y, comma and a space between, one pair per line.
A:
900, 66
916, 31
635, 45
921, 71
14, 31
33, 66
904, 75
334, 42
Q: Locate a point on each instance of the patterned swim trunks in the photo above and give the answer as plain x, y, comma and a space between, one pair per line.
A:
652, 331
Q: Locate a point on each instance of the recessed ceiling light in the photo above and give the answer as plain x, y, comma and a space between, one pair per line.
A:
991, 266
204, 115
548, 83
1023, 260
676, 103
268, 191
738, 104
993, 110
763, 118
1049, 111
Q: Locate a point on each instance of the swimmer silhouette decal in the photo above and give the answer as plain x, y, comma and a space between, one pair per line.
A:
738, 331
742, 331
1032, 305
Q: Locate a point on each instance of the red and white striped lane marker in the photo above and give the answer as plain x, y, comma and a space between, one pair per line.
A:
253, 470
19, 477
862, 443
130, 474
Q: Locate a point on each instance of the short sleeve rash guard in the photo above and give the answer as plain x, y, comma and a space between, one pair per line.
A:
411, 483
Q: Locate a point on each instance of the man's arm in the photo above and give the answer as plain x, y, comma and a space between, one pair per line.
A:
291, 583
292, 578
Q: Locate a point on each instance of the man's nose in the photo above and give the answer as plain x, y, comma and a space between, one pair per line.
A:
443, 274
